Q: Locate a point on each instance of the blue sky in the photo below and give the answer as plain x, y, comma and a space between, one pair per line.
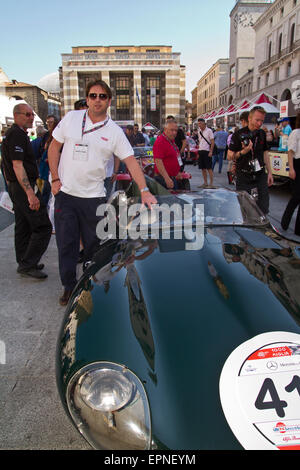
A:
35, 33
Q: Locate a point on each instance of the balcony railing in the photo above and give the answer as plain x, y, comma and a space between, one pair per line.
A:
280, 55
120, 56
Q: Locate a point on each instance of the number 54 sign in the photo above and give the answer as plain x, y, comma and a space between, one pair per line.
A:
260, 391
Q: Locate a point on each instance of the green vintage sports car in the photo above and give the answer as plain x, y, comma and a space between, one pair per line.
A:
187, 336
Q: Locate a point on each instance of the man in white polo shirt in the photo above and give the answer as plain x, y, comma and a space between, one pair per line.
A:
206, 147
89, 139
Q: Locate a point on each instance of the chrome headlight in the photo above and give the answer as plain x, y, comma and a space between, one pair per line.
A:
109, 406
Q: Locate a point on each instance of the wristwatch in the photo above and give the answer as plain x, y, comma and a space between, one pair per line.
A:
144, 189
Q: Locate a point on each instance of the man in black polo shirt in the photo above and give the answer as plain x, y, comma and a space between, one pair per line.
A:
32, 225
138, 138
248, 147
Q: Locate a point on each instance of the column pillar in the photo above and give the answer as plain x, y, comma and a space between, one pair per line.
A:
70, 91
173, 93
137, 84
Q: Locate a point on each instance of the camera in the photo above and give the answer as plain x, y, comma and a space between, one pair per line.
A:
245, 138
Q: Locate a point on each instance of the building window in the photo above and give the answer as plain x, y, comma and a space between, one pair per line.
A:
282, 12
122, 97
277, 74
280, 43
292, 40
258, 83
153, 99
289, 69
267, 79
270, 50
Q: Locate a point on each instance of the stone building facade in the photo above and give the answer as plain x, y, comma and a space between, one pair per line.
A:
243, 16
210, 85
147, 82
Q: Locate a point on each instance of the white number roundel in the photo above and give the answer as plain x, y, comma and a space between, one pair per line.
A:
260, 392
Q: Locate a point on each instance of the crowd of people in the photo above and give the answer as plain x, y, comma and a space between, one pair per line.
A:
58, 180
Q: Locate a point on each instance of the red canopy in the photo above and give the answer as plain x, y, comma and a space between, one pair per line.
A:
222, 111
231, 109
245, 105
262, 99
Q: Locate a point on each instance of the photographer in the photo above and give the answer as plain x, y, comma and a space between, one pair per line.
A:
249, 149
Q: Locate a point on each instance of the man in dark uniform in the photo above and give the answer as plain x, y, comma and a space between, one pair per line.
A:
248, 148
32, 225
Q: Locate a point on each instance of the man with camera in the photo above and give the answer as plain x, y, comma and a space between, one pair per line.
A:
248, 147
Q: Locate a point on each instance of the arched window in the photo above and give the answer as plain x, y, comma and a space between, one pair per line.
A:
286, 95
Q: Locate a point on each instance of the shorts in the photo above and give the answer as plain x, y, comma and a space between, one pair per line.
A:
204, 162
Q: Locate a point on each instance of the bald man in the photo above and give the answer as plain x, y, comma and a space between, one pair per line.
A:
32, 225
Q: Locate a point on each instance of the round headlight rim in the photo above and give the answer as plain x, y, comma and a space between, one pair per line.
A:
130, 385
74, 379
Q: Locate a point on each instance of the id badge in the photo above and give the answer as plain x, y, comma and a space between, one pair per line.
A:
257, 166
81, 152
179, 160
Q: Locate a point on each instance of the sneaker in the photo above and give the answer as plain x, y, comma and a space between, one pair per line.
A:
33, 273
64, 299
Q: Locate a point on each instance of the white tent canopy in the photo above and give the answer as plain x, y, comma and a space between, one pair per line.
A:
268, 107
7, 105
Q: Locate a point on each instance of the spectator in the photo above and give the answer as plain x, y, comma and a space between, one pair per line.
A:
129, 134
146, 137
36, 143
180, 139
285, 127
32, 224
249, 149
138, 138
80, 104
294, 174
44, 166
78, 174
220, 137
206, 147
167, 156
244, 119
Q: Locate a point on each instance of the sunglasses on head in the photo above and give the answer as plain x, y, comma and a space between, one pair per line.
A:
102, 96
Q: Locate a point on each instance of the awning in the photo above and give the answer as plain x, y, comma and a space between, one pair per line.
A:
262, 99
244, 105
222, 111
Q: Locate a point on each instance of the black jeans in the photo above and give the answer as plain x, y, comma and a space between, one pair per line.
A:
75, 217
245, 182
294, 202
32, 228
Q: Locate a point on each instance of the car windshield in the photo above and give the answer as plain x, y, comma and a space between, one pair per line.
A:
206, 207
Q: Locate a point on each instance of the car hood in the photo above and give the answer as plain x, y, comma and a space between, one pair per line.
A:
173, 316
